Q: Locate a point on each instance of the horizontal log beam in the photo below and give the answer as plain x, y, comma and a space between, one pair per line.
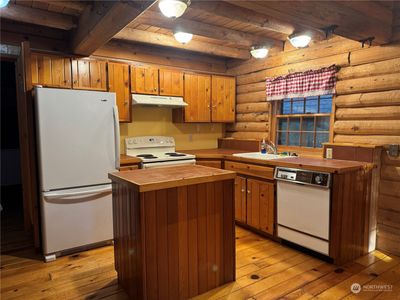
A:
252, 117
206, 30
75, 5
251, 87
369, 113
367, 139
369, 99
368, 127
101, 21
251, 97
248, 126
371, 69
142, 36
38, 16
373, 54
253, 107
369, 84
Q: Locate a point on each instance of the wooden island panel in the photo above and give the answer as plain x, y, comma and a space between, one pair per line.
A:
174, 243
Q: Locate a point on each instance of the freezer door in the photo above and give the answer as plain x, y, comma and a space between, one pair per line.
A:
77, 133
76, 217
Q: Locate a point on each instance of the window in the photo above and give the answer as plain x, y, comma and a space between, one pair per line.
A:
304, 122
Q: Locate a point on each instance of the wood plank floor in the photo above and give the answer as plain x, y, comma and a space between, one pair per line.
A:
265, 270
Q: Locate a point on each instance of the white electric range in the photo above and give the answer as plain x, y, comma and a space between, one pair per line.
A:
156, 151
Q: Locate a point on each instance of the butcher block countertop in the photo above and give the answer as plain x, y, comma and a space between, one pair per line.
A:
308, 163
152, 179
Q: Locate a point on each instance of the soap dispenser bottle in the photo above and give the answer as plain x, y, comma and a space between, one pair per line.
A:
263, 147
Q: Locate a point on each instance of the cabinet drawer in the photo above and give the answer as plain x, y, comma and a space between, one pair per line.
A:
210, 163
128, 168
249, 169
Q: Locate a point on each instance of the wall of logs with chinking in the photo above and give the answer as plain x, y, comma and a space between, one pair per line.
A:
366, 108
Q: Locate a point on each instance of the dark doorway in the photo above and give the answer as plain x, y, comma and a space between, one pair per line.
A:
13, 235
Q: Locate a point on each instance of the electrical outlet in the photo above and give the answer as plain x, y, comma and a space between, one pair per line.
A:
393, 150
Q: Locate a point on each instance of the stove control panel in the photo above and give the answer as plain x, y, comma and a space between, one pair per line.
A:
303, 176
149, 142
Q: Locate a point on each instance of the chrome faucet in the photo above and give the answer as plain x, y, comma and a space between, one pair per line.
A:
271, 146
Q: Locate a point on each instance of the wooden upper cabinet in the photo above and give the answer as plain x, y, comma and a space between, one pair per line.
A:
51, 70
260, 205
223, 99
198, 97
171, 83
240, 199
118, 82
89, 74
144, 80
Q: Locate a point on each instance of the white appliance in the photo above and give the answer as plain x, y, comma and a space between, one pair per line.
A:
156, 151
78, 145
154, 100
303, 208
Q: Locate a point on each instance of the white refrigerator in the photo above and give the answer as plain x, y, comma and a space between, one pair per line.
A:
78, 145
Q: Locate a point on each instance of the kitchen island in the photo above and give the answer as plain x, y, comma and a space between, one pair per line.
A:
173, 230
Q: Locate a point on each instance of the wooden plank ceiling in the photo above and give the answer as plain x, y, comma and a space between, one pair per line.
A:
222, 28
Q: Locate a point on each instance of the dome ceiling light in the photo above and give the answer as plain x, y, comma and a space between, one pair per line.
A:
4, 3
183, 37
300, 40
173, 8
259, 51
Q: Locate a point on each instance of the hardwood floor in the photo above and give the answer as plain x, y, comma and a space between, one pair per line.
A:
265, 270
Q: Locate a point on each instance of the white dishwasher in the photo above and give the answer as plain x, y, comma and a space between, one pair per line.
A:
303, 207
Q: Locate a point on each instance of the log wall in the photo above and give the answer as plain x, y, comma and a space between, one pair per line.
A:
367, 108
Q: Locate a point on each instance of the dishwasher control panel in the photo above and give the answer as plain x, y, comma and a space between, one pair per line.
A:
303, 176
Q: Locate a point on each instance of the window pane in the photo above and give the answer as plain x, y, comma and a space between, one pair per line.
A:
325, 104
307, 139
294, 138
286, 106
298, 107
321, 138
311, 105
294, 124
282, 138
308, 124
323, 123
282, 124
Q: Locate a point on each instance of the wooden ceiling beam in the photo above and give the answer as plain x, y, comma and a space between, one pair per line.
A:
242, 14
206, 30
76, 5
38, 17
147, 37
101, 20
352, 24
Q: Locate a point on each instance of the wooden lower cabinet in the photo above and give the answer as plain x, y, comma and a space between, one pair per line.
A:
260, 205
255, 203
240, 199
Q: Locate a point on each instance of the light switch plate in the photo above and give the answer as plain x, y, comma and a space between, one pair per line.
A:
393, 150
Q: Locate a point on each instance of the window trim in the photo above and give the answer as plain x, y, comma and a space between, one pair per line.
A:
275, 114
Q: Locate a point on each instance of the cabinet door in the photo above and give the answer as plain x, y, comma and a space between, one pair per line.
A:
89, 74
144, 80
223, 99
260, 205
118, 82
51, 70
171, 83
198, 97
240, 199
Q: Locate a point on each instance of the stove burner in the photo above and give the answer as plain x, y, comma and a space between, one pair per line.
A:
147, 156
175, 154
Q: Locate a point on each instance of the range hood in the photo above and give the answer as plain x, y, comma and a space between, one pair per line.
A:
153, 100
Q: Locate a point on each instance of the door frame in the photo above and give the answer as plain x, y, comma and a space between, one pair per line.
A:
27, 139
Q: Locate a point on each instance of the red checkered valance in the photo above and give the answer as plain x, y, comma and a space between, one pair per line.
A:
302, 84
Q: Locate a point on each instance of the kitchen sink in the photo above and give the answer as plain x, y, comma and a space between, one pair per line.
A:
259, 155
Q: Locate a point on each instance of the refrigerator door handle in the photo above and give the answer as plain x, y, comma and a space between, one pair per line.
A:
116, 135
56, 194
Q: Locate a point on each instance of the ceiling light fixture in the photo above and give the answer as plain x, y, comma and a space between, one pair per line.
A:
4, 3
259, 51
173, 8
300, 40
183, 37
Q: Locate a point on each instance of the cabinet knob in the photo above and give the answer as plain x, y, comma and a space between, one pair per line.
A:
155, 89
98, 80
248, 192
243, 190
